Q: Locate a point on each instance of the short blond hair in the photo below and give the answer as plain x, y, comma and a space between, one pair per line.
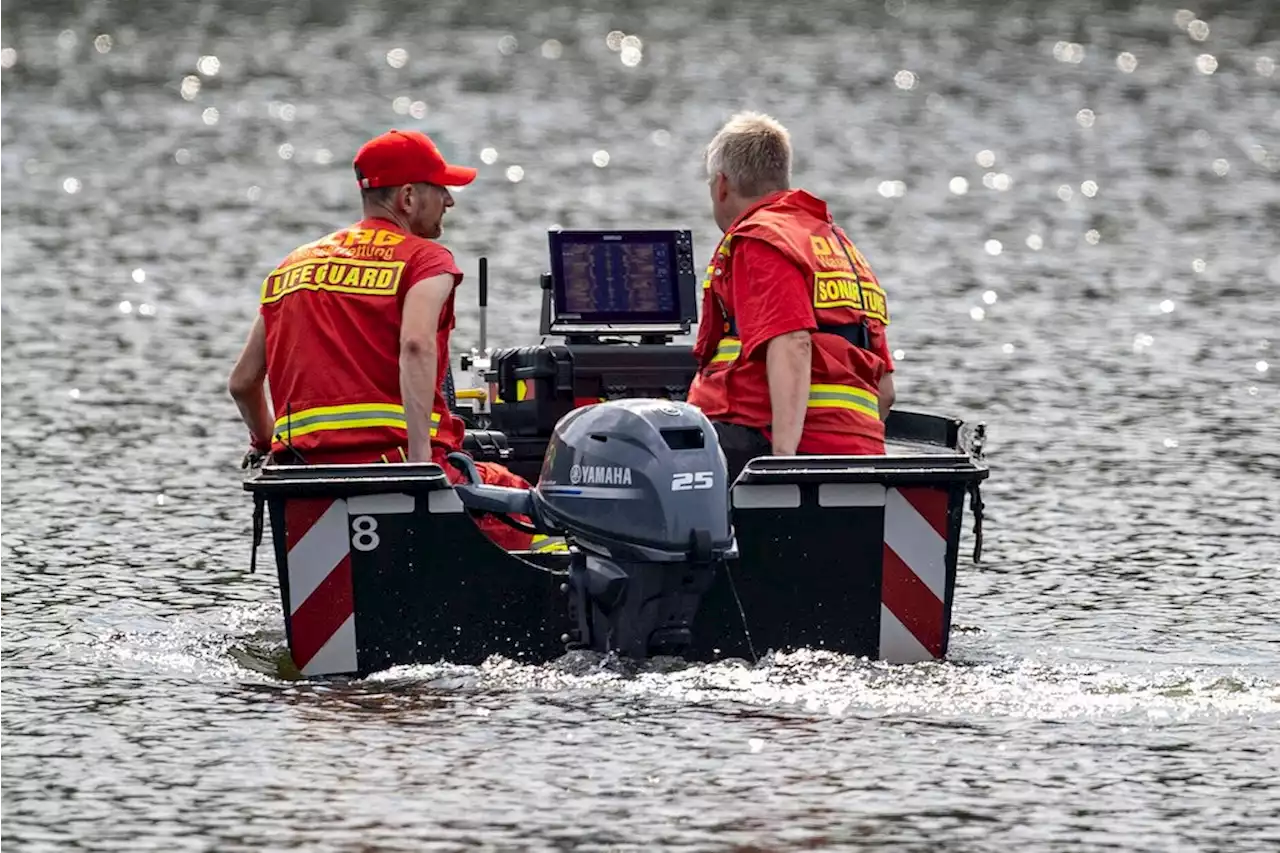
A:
754, 153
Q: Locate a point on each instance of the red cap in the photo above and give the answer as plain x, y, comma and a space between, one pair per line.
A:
400, 157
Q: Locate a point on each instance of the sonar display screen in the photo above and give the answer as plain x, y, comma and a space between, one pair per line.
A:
617, 280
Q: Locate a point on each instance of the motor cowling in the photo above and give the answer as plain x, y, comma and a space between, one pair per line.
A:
642, 479
640, 488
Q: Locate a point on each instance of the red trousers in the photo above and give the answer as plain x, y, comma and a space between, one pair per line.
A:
491, 473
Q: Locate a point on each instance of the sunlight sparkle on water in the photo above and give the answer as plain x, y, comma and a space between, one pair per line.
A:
397, 57
1262, 367
1221, 167
1065, 192
210, 115
899, 355
1068, 51
507, 45
660, 138
892, 189
126, 307
74, 393
1170, 442
515, 174
147, 310
1206, 63
285, 151
102, 44
418, 109
139, 276
1167, 306
1089, 188
190, 87
631, 56
209, 65
1198, 30
1183, 18
1198, 265
1142, 341
1092, 236
9, 57
71, 186
182, 157
1266, 66
993, 247
990, 297
959, 185
253, 194
600, 158
614, 40
1035, 242
552, 49
1127, 62
489, 156
1086, 117
985, 158
400, 106
977, 313
904, 80
1007, 349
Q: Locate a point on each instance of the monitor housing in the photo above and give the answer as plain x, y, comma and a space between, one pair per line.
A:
621, 283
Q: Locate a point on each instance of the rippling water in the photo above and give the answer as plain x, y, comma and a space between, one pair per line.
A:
1075, 211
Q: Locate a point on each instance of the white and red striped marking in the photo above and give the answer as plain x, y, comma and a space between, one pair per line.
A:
321, 602
913, 583
318, 537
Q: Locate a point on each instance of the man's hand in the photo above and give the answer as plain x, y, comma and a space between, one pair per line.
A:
419, 365
254, 458
789, 362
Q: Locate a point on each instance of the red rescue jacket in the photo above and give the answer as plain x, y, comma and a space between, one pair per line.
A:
847, 301
332, 312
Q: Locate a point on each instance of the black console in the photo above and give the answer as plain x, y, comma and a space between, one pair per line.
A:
616, 299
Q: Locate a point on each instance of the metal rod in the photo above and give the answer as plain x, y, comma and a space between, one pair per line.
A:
484, 302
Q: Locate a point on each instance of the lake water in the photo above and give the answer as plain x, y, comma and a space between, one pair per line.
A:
1075, 212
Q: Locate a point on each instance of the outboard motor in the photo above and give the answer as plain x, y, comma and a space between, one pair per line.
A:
640, 488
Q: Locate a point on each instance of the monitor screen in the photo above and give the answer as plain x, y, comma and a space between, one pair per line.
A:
616, 277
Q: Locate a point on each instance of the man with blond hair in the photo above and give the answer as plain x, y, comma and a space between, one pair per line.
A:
793, 356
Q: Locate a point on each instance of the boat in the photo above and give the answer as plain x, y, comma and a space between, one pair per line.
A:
655, 553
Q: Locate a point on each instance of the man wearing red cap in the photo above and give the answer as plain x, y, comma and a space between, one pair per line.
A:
353, 331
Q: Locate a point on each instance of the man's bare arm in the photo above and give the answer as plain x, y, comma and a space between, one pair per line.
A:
419, 326
246, 386
888, 394
788, 362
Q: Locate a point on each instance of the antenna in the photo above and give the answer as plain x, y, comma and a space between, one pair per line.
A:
484, 302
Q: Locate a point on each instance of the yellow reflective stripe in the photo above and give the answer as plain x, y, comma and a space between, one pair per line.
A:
545, 544
727, 350
350, 416
722, 249
844, 397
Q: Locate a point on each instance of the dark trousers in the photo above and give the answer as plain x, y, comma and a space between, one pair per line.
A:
741, 444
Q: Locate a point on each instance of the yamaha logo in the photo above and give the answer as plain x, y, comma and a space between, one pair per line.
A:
600, 475
670, 410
